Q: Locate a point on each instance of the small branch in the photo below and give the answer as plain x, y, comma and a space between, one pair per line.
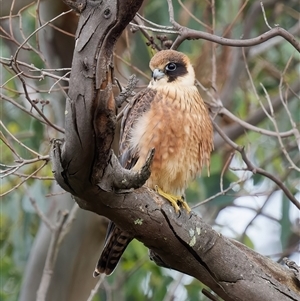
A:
241, 9
264, 14
186, 33
48, 122
170, 295
255, 169
40, 213
236, 129
166, 31
213, 54
58, 80
11, 170
29, 161
44, 72
28, 177
141, 26
68, 224
223, 192
271, 117
171, 13
262, 48
284, 103
134, 68
27, 111
257, 214
251, 127
152, 23
96, 288
51, 258
33, 33
208, 28
6, 142
18, 141
225, 167
21, 175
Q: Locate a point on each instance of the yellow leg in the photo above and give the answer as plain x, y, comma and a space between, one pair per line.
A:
174, 200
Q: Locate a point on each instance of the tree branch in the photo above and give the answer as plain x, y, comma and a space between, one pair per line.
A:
256, 169
191, 34
84, 165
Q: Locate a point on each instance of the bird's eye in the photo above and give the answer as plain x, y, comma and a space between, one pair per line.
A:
171, 67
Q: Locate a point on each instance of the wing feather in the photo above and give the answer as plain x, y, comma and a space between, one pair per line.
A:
117, 240
139, 105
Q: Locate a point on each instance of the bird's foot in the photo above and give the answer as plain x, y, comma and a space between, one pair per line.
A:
174, 200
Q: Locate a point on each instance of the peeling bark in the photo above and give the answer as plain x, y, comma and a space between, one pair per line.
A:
85, 166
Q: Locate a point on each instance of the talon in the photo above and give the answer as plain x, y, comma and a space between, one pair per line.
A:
173, 199
185, 205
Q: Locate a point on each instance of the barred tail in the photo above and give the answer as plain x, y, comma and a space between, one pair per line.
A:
116, 242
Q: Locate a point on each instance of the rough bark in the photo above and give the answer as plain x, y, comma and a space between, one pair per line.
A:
85, 166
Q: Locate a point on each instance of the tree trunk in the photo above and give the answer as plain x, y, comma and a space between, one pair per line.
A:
85, 166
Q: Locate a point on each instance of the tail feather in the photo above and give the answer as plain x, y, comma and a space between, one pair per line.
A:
116, 242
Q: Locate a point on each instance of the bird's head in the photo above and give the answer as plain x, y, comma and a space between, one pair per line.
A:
171, 67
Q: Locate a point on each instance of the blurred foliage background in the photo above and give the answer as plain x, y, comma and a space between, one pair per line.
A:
237, 202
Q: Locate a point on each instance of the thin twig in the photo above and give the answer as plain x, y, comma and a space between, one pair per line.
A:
225, 167
5, 141
96, 288
58, 80
145, 33
251, 127
34, 32
26, 111
171, 292
18, 141
193, 16
45, 72
228, 28
255, 169
20, 183
51, 259
213, 52
154, 24
284, 103
40, 213
21, 175
36, 108
223, 192
271, 117
166, 31
264, 14
68, 224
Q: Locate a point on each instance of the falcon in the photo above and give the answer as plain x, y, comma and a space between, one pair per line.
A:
171, 117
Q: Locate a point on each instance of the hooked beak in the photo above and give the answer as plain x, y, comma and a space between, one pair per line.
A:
157, 74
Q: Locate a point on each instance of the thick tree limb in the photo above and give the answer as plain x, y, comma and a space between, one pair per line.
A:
85, 166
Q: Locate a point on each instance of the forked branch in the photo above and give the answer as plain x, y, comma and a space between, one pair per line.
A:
85, 166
